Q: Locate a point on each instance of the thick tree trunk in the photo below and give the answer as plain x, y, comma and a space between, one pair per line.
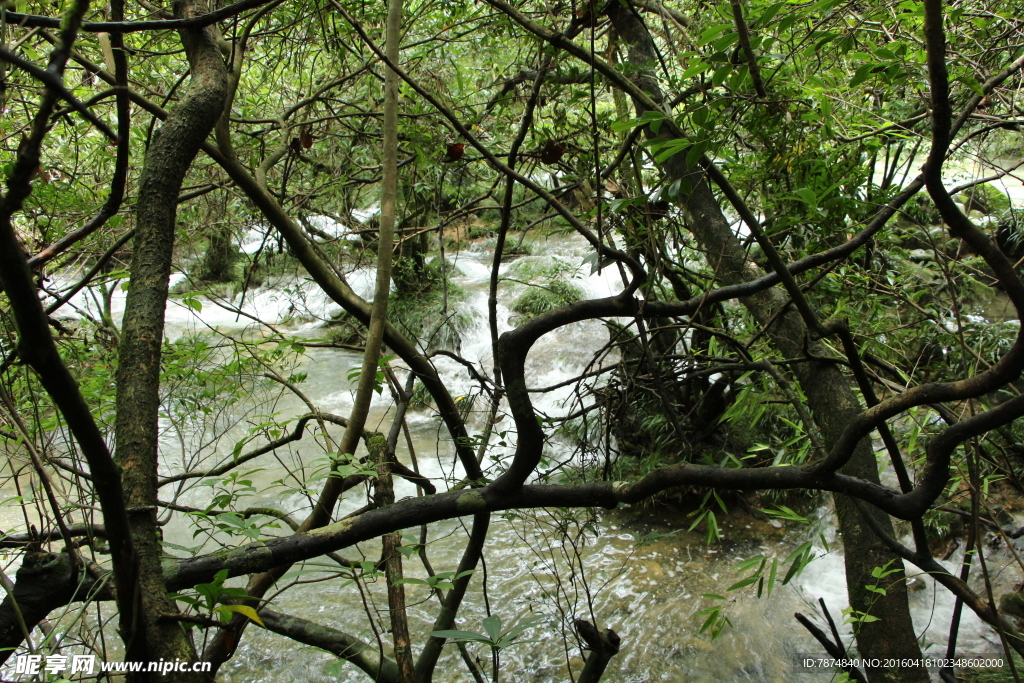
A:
45, 581
168, 159
829, 393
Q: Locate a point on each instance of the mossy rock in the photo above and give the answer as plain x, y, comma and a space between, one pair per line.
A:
344, 329
478, 231
986, 199
421, 313
922, 210
514, 251
543, 298
193, 287
451, 244
415, 279
416, 312
425, 321
421, 398
1012, 604
539, 270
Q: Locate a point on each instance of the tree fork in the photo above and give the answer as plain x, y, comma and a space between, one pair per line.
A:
168, 159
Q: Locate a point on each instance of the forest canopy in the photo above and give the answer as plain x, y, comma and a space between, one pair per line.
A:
312, 297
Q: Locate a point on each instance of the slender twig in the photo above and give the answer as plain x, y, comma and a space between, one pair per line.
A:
36, 21
56, 84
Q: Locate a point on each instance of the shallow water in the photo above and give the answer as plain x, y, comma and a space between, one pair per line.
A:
650, 595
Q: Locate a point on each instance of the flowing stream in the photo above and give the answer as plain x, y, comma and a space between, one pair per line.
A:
649, 592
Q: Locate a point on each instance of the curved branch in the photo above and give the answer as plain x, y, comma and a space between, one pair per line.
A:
351, 649
227, 466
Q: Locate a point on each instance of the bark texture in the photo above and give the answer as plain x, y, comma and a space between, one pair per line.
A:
168, 159
361, 654
44, 582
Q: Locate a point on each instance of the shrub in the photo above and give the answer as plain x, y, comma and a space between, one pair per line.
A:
541, 299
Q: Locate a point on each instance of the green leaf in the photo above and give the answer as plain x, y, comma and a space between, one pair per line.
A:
883, 571
743, 583
511, 634
244, 610
694, 70
187, 599
712, 527
799, 558
709, 622
411, 582
669, 149
807, 196
969, 81
726, 42
629, 124
492, 625
769, 14
697, 520
748, 564
721, 74
784, 512
862, 74
694, 154
713, 32
463, 636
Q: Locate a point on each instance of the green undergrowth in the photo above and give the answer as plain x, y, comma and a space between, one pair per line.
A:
546, 285
425, 307
543, 298
429, 310
1000, 675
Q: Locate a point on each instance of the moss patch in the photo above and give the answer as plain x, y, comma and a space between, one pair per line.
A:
543, 298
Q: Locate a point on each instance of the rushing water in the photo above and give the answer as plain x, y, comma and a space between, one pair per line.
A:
649, 593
